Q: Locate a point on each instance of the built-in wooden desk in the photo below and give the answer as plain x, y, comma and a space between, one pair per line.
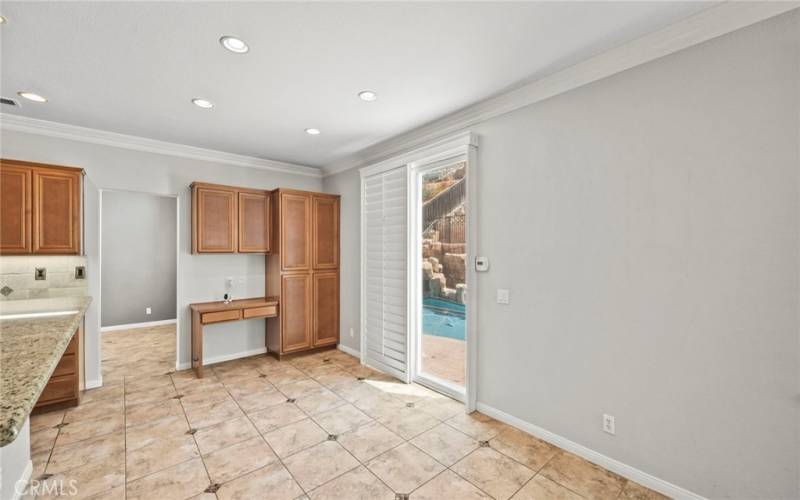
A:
207, 313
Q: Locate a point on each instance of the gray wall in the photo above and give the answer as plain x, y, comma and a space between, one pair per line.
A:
200, 277
647, 227
138, 253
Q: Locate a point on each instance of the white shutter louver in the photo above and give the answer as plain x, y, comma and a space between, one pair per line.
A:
385, 261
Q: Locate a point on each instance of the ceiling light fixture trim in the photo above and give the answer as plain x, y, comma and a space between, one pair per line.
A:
32, 96
368, 95
202, 103
234, 44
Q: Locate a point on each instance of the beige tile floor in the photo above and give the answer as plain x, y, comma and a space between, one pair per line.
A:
316, 427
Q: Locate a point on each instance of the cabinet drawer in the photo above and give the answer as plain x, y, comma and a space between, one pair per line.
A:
66, 366
59, 389
216, 317
72, 347
261, 312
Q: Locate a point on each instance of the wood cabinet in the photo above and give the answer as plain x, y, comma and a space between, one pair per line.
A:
40, 209
295, 231
305, 274
15, 209
227, 219
326, 308
63, 388
325, 240
296, 312
254, 222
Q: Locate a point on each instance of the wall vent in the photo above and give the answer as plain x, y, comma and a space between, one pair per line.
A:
8, 102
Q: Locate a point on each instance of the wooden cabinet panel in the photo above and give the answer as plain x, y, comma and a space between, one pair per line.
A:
254, 222
214, 218
326, 308
58, 389
66, 366
325, 242
15, 209
56, 211
295, 237
295, 312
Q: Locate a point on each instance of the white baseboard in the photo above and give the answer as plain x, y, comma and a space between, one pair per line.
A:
225, 357
131, 326
609, 463
25, 479
349, 350
93, 384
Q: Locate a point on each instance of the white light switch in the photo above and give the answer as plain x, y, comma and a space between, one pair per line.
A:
147, 310
502, 296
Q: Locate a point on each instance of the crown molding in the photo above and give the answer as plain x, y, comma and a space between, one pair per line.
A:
83, 134
698, 28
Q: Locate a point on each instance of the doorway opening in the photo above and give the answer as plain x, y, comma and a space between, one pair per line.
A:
138, 284
440, 296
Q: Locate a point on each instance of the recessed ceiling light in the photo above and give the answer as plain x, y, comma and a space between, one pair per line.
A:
202, 103
32, 97
368, 95
234, 44
2, 20
312, 131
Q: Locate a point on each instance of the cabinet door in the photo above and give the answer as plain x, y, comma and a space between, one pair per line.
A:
326, 308
325, 243
56, 211
295, 238
254, 222
295, 312
15, 209
214, 227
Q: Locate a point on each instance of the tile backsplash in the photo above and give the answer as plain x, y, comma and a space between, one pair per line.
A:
18, 273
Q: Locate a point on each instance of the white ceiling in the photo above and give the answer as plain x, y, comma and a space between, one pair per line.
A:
132, 67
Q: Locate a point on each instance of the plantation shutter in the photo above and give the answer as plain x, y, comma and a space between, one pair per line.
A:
385, 261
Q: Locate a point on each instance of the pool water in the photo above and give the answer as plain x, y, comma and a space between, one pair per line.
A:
443, 319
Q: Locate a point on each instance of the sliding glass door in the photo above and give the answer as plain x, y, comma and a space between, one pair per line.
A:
440, 294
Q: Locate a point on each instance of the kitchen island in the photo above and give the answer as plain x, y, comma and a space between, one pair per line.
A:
34, 334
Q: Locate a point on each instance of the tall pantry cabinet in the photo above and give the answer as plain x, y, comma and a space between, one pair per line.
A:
303, 271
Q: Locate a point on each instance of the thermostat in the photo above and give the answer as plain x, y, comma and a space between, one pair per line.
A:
481, 264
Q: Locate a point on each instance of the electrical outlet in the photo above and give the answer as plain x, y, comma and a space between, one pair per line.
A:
352, 333
229, 282
502, 296
41, 274
608, 424
147, 310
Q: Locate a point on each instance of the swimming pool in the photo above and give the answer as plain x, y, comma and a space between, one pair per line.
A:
443, 319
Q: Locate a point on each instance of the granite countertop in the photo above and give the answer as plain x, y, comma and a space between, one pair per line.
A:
30, 349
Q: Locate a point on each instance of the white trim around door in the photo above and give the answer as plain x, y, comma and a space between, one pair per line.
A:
463, 145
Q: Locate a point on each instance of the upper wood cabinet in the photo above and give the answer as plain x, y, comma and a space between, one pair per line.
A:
254, 222
227, 219
56, 211
295, 230
15, 209
325, 243
40, 208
